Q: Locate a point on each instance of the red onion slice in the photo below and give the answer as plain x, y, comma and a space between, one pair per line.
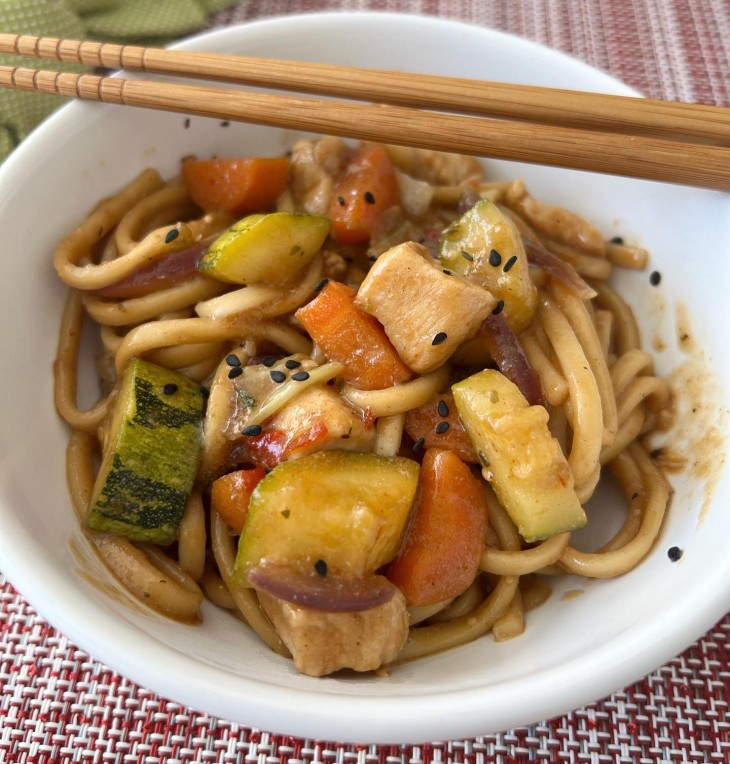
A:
504, 347
559, 270
163, 272
330, 593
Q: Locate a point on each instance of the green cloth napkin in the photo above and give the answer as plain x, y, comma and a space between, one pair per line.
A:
143, 22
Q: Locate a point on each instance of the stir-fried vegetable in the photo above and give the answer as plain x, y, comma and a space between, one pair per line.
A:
520, 458
367, 189
270, 248
347, 334
446, 537
483, 245
303, 510
240, 186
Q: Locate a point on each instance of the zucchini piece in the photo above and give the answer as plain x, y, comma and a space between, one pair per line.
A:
268, 248
523, 462
484, 246
346, 509
151, 455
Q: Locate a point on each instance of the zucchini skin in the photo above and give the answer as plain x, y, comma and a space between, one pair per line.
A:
152, 456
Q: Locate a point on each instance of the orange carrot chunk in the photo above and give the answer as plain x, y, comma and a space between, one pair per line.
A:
366, 189
240, 186
446, 536
436, 424
230, 494
348, 335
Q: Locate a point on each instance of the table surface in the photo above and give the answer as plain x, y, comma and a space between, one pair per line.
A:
57, 704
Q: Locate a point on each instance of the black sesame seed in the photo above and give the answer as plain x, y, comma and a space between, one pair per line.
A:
498, 307
285, 513
277, 376
236, 371
320, 285
508, 265
292, 364
341, 201
187, 123
233, 360
172, 234
269, 361
443, 408
674, 553
321, 567
441, 427
418, 445
300, 376
204, 392
655, 278
170, 388
495, 258
483, 459
448, 273
467, 256
252, 430
369, 198
439, 338
225, 123
617, 240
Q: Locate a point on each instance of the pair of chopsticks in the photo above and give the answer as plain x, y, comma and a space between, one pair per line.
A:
650, 139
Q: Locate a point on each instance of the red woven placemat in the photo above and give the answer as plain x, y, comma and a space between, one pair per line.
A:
59, 705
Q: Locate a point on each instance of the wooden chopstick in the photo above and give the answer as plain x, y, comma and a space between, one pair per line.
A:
635, 156
568, 108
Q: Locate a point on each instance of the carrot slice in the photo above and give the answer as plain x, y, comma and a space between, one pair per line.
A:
230, 495
446, 536
348, 335
437, 423
240, 186
366, 189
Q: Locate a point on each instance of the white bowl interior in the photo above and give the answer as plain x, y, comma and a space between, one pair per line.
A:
576, 648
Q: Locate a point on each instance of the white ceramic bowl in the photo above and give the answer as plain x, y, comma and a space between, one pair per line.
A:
575, 649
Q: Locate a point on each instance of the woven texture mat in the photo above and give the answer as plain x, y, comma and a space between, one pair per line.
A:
59, 705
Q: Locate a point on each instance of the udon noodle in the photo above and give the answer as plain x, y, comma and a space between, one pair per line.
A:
598, 386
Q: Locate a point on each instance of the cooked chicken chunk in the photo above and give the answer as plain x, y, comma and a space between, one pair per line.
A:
315, 166
322, 642
425, 312
320, 419
436, 167
317, 419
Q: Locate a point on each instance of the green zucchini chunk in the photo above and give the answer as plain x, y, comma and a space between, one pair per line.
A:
151, 455
484, 246
346, 509
269, 248
520, 458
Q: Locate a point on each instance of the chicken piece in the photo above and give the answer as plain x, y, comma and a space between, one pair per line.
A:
425, 312
438, 168
320, 419
555, 223
315, 166
317, 419
322, 642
